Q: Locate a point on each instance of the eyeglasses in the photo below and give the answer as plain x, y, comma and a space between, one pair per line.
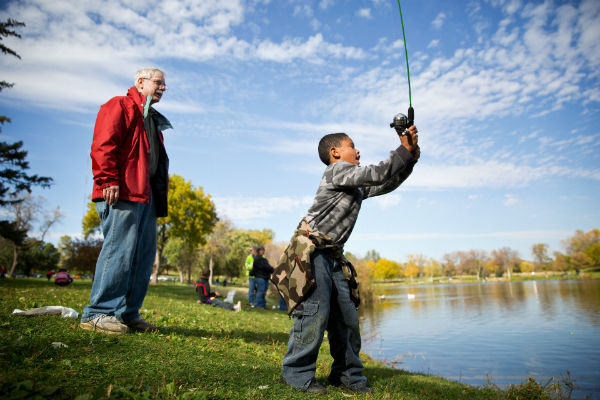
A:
158, 82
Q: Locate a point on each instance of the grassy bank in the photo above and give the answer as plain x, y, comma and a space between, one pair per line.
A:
200, 352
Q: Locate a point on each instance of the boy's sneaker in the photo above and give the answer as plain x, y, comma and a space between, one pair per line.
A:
238, 307
359, 388
314, 387
105, 324
141, 325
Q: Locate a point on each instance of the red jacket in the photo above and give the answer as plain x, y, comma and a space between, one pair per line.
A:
120, 149
120, 153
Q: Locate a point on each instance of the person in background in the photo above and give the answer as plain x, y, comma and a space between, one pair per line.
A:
205, 296
261, 270
251, 282
62, 278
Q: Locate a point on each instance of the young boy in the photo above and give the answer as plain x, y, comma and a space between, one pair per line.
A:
316, 281
205, 296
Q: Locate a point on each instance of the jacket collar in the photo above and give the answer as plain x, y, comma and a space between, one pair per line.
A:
161, 121
137, 97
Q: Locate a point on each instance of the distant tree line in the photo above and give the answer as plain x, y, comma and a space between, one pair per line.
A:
582, 253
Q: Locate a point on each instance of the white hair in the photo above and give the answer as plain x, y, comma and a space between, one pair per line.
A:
146, 73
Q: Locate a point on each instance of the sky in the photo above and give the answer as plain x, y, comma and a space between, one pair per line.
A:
506, 96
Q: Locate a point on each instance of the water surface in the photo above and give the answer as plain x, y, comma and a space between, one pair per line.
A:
490, 332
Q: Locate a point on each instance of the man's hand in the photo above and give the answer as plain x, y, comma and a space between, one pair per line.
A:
410, 140
111, 195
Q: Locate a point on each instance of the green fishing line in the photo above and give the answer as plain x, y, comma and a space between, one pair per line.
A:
406, 54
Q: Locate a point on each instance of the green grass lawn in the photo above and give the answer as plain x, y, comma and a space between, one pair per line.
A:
200, 352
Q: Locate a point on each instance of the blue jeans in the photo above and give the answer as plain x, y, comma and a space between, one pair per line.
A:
251, 290
220, 304
261, 292
125, 262
329, 308
282, 305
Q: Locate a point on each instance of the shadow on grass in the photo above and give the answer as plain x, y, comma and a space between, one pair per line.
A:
217, 333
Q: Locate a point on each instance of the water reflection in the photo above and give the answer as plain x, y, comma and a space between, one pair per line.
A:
508, 330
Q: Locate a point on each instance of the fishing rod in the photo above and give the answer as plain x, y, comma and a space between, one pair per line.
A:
402, 122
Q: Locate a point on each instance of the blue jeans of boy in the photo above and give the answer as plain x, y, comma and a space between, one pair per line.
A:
251, 290
125, 262
329, 308
261, 292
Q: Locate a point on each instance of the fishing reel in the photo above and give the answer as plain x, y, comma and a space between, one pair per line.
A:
402, 122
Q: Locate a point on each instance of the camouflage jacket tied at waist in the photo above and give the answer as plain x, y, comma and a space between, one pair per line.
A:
293, 275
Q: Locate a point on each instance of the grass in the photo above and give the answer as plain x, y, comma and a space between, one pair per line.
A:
200, 352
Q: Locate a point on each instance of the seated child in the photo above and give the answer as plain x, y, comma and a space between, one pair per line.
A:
314, 278
63, 278
205, 296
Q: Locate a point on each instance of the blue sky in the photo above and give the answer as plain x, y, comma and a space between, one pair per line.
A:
506, 96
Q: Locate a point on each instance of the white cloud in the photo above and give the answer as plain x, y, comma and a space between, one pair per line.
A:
521, 235
88, 50
364, 13
438, 22
251, 208
325, 4
434, 43
390, 200
510, 200
304, 10
489, 174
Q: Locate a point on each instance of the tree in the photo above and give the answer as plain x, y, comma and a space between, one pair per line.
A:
182, 256
372, 255
432, 268
450, 261
91, 221
583, 249
14, 179
239, 241
216, 247
24, 214
387, 269
13, 165
415, 261
581, 241
527, 266
192, 217
79, 255
505, 258
561, 262
38, 255
473, 262
540, 255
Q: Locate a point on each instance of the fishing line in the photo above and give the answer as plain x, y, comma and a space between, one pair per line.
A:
402, 122
406, 55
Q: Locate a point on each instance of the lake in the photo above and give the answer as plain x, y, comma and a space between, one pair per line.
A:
499, 332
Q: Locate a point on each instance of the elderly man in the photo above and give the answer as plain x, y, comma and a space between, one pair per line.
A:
130, 167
